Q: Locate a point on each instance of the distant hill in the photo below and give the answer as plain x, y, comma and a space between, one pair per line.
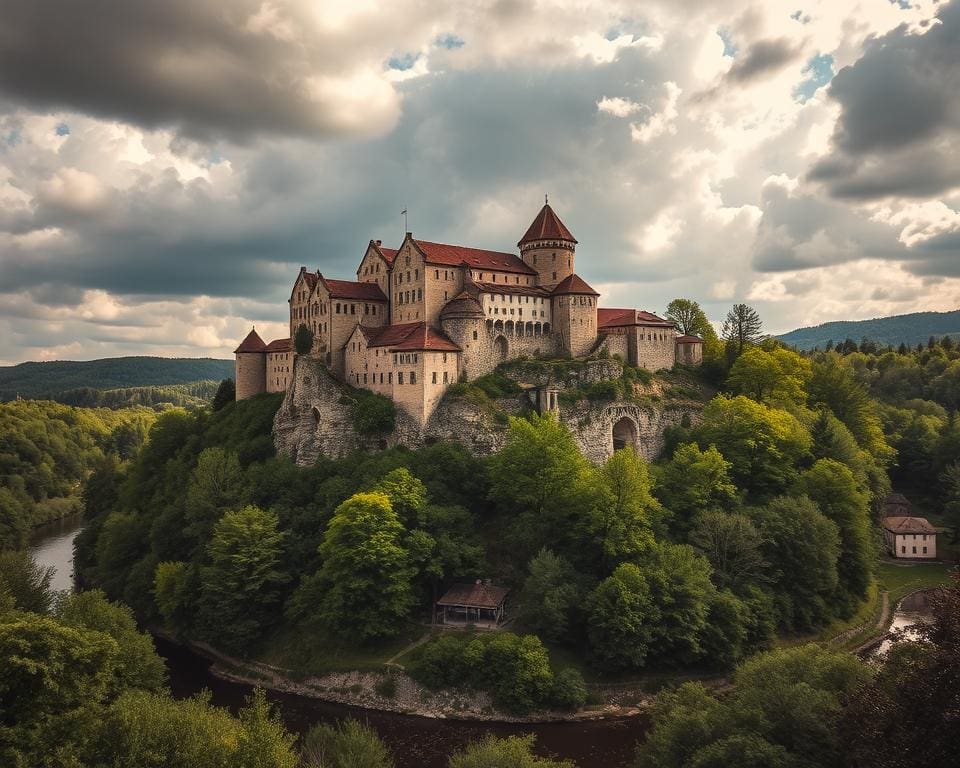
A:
912, 329
52, 379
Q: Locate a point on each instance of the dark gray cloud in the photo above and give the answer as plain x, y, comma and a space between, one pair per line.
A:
204, 66
763, 57
899, 128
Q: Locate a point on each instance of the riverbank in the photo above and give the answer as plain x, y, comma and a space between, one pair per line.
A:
392, 690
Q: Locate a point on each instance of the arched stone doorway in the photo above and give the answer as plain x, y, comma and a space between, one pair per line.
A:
624, 434
500, 345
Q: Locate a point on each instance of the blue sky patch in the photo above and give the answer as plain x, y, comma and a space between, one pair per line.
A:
450, 41
403, 62
62, 129
819, 72
729, 48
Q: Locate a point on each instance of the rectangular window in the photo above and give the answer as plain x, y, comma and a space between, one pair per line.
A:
903, 550
364, 378
434, 377
353, 309
474, 335
446, 379
399, 377
914, 550
413, 377
436, 274
924, 550
419, 294
444, 357
390, 378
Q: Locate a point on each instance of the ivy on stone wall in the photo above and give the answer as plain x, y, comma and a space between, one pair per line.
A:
372, 414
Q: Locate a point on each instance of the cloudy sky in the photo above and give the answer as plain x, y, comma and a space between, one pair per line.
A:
167, 165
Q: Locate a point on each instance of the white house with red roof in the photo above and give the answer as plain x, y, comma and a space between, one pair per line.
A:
424, 315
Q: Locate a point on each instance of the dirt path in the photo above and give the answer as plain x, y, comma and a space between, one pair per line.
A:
880, 625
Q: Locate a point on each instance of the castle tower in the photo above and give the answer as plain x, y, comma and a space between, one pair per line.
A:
462, 320
548, 247
251, 366
575, 315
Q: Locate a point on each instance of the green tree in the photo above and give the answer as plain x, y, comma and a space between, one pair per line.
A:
693, 481
509, 752
802, 548
834, 385
365, 577
625, 512
622, 616
264, 740
226, 394
215, 486
763, 445
781, 714
833, 488
14, 521
950, 480
137, 662
347, 744
53, 679
241, 589
770, 376
407, 494
550, 594
170, 593
303, 340
26, 581
542, 481
569, 689
689, 318
741, 328
733, 546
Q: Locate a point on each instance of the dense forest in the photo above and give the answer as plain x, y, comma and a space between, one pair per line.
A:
196, 394
48, 379
910, 329
757, 525
47, 450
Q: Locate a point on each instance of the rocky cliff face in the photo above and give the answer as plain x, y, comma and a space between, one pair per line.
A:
315, 417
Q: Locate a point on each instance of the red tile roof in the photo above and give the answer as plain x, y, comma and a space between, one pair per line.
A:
347, 289
474, 596
463, 305
389, 254
253, 343
477, 258
280, 345
573, 284
908, 525
521, 290
610, 318
547, 226
688, 339
410, 336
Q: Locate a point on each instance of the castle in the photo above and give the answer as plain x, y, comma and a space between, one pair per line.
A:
425, 315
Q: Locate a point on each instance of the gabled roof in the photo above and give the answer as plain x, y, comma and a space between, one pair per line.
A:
348, 289
410, 336
474, 595
688, 339
908, 525
280, 345
573, 284
521, 290
612, 318
547, 226
476, 258
253, 343
388, 254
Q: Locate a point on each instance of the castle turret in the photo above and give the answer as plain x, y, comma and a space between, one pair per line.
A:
548, 247
462, 321
575, 315
251, 366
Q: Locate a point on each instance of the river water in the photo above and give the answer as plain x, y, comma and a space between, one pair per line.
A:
416, 742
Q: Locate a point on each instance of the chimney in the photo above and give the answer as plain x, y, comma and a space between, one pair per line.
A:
379, 243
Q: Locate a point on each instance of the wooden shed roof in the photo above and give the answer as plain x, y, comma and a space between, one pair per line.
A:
474, 596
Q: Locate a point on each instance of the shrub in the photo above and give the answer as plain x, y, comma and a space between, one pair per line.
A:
372, 414
569, 690
387, 687
303, 340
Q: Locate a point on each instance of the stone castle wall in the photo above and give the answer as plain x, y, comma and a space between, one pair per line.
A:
250, 371
312, 421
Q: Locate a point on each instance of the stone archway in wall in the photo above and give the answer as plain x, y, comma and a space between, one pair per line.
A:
625, 434
500, 347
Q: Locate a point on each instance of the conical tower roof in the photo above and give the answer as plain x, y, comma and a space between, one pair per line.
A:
253, 343
547, 226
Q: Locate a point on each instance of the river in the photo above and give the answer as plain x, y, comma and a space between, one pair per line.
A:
416, 742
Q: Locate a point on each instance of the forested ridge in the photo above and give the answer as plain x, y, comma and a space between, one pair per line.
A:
911, 329
48, 380
47, 450
757, 525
